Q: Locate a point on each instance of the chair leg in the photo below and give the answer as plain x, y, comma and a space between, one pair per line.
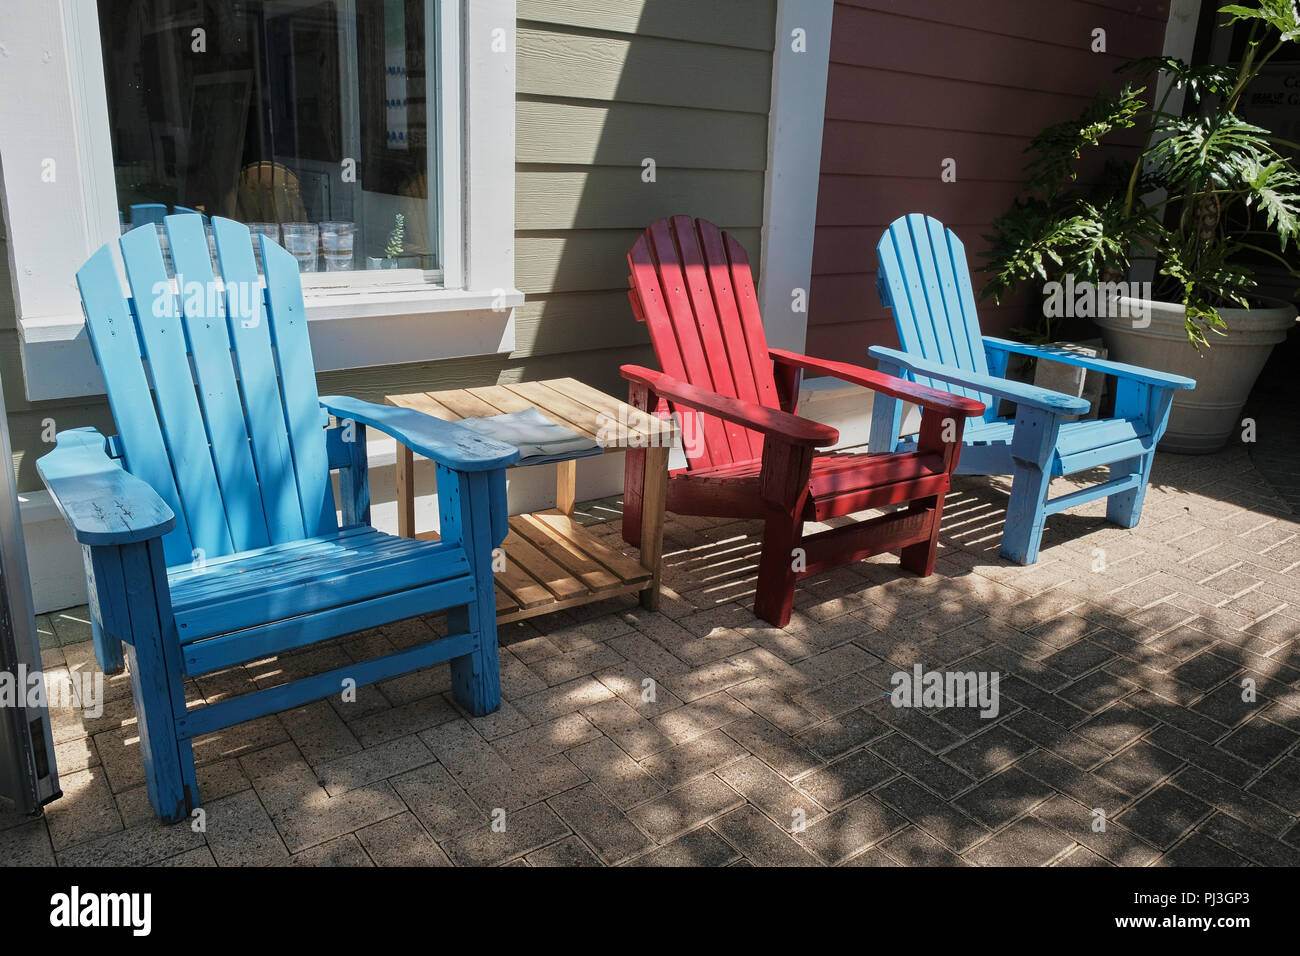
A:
1033, 445
157, 684
919, 558
886, 420
476, 677
108, 649
776, 575
633, 494
1026, 513
479, 499
640, 398
1125, 507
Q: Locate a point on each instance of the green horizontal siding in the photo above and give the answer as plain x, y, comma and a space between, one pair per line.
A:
621, 69
603, 197
588, 133
602, 87
585, 260
743, 23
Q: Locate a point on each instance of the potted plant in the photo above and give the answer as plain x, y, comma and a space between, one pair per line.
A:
1208, 196
396, 255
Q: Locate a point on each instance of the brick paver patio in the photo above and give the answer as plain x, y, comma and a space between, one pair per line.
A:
1121, 657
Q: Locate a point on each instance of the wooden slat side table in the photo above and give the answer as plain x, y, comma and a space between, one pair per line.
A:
552, 561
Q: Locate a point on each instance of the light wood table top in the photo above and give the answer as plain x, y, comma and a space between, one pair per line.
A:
565, 401
552, 561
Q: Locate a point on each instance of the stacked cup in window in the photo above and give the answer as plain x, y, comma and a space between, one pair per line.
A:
336, 241
269, 229
302, 239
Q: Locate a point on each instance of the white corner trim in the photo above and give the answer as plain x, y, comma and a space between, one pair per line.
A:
52, 194
489, 136
1180, 40
794, 152
51, 52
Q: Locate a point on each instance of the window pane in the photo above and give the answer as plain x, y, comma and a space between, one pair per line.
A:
311, 121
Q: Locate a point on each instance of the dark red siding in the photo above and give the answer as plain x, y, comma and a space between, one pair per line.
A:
912, 82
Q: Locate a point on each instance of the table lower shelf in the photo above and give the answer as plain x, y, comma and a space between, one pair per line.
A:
552, 562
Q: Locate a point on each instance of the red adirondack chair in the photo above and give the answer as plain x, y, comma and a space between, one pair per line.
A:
749, 455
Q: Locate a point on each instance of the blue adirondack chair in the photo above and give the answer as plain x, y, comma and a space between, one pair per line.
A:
925, 280
208, 522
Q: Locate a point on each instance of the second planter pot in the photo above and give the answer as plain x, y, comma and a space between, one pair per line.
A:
1201, 419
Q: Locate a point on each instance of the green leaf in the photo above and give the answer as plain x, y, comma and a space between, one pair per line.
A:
1281, 15
1197, 80
1275, 189
1197, 151
1058, 147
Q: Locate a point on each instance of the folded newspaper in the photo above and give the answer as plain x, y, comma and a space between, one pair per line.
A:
538, 439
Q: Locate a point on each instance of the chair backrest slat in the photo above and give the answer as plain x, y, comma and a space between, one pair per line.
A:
685, 341
163, 339
117, 350
231, 433
302, 411
651, 310
692, 287
263, 409
717, 363
927, 282
959, 301
729, 301
209, 346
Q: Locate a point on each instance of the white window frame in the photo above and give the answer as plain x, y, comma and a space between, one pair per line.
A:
51, 53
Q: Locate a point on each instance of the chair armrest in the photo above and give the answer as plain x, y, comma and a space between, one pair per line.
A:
1019, 392
447, 443
769, 421
921, 395
102, 502
1105, 366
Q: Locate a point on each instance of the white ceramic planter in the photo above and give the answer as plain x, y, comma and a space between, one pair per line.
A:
1202, 419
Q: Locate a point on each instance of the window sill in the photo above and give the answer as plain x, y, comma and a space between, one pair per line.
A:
350, 328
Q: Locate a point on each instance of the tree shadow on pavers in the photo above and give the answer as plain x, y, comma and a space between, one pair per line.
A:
1120, 691
1137, 689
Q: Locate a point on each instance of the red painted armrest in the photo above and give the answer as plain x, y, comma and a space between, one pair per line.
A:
769, 421
922, 395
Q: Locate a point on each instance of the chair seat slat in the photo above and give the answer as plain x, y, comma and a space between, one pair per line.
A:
266, 570
269, 553
305, 590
